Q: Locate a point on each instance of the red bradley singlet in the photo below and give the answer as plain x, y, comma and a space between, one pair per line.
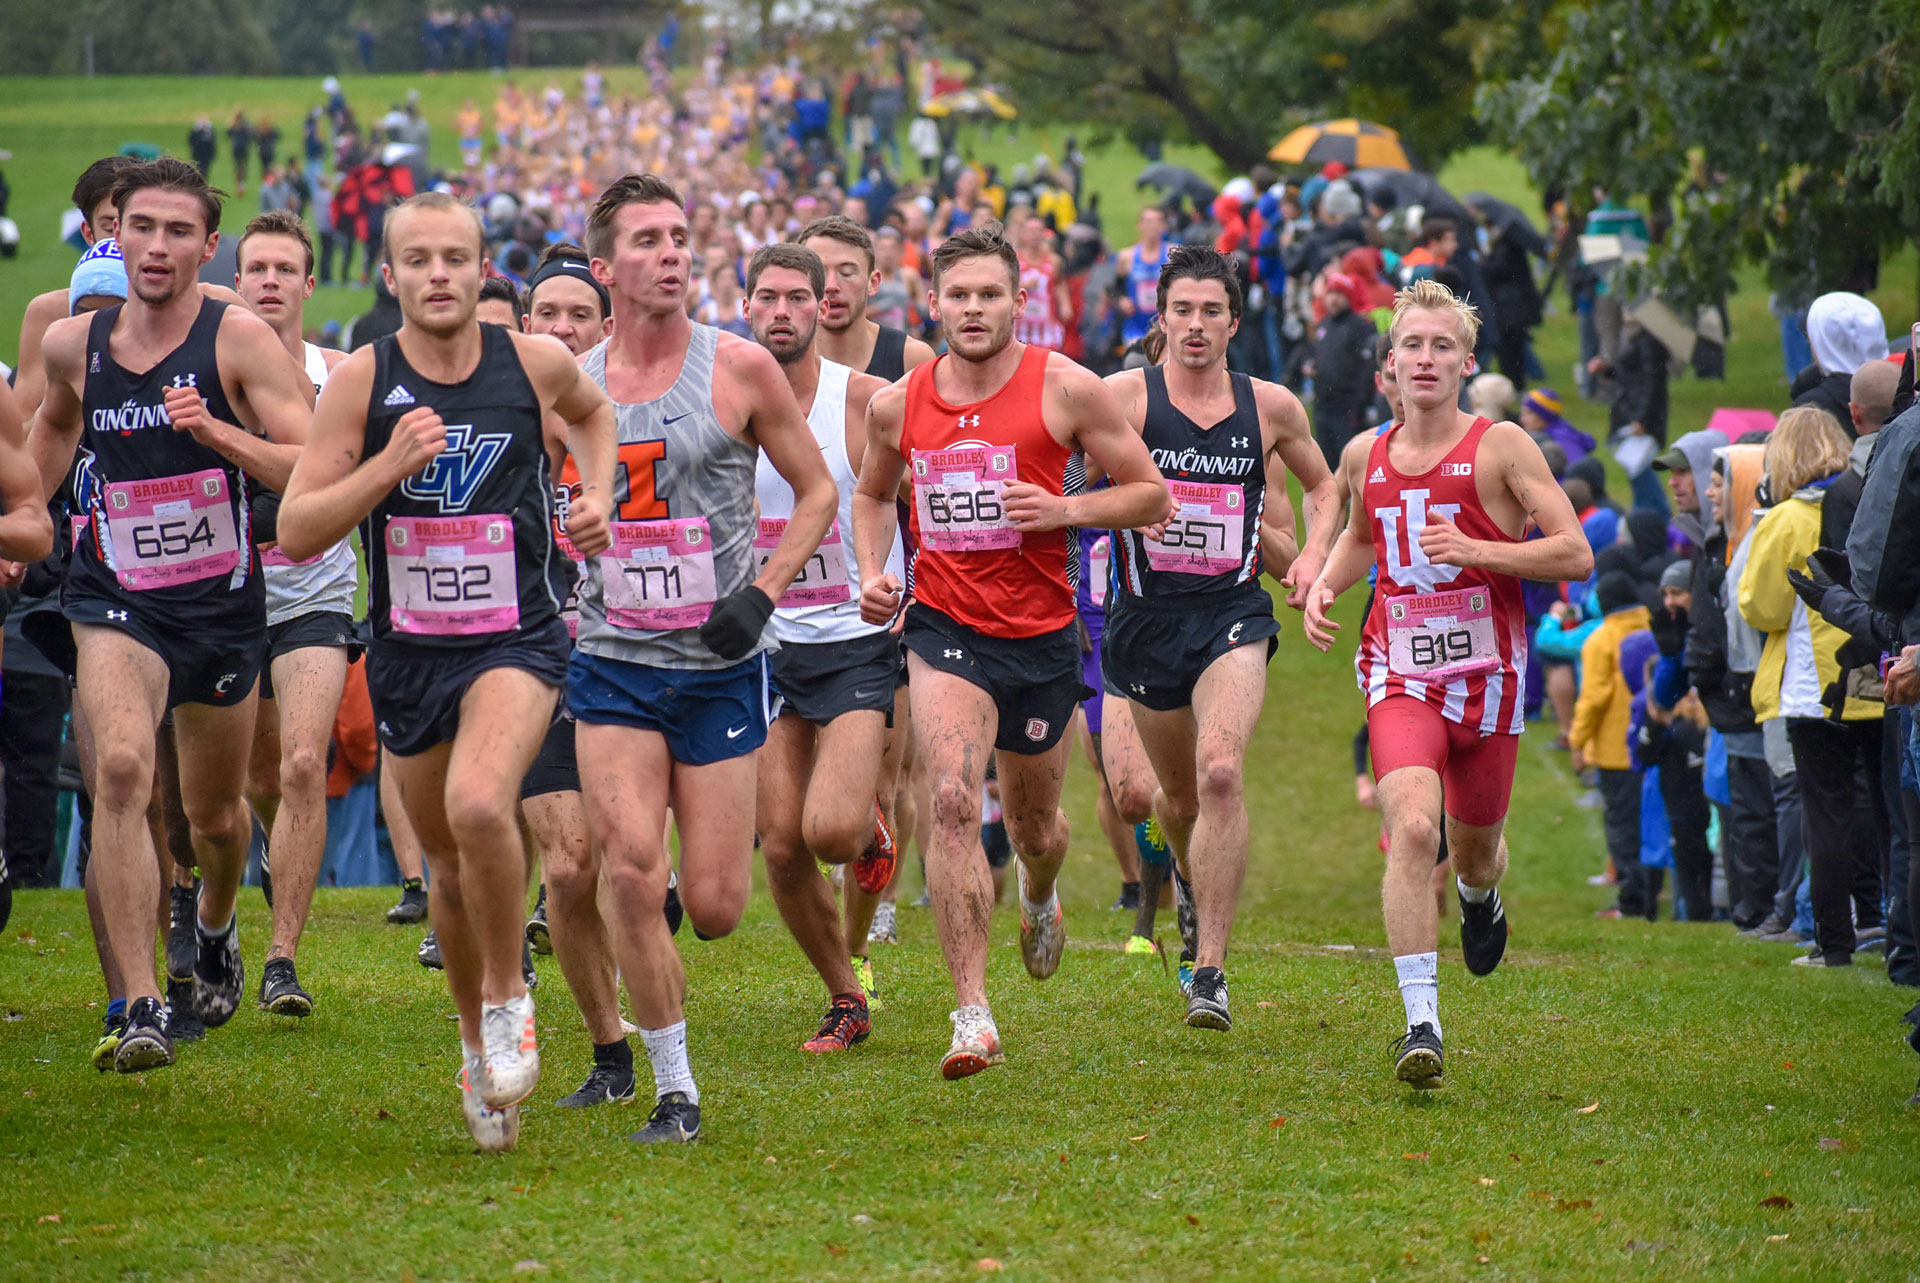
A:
1453, 637
973, 565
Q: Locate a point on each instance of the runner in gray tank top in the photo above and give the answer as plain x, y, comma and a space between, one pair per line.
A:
669, 682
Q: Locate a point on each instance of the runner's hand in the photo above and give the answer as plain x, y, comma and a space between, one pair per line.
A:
1158, 530
738, 619
587, 526
188, 411
881, 599
12, 573
1442, 541
1319, 628
417, 440
1299, 581
1032, 508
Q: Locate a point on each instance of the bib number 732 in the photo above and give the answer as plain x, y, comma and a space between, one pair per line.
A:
453, 583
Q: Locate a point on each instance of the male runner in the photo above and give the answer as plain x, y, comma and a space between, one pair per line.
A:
1190, 629
310, 632
820, 770
989, 433
437, 433
93, 197
1446, 503
164, 590
1049, 302
1137, 271
669, 681
848, 336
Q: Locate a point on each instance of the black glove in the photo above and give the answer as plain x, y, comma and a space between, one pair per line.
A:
736, 623
264, 512
1809, 588
1669, 630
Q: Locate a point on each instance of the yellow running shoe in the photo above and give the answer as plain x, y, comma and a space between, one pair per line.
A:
1140, 946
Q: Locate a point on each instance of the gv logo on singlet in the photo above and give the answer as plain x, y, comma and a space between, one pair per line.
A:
453, 478
1416, 572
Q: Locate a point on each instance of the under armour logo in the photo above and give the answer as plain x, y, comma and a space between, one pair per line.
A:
1138, 689
1240, 443
94, 367
969, 420
184, 380
117, 616
950, 653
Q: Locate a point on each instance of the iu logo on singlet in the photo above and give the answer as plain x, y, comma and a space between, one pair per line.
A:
1407, 565
454, 476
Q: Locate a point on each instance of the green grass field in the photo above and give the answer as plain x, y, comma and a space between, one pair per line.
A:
1623, 1099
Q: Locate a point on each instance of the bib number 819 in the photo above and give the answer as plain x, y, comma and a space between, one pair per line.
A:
170, 538
963, 507
1431, 650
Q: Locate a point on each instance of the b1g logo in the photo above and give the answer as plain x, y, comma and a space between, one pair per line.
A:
451, 479
1036, 729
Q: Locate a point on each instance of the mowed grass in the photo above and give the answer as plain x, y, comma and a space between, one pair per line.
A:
1621, 1097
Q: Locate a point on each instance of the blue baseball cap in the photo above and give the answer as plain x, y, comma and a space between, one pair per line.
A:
101, 273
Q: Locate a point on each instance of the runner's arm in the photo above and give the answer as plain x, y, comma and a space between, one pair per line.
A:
1279, 544
332, 487
1294, 444
1138, 494
272, 398
30, 375
790, 447
53, 434
1352, 554
591, 435
917, 353
875, 519
26, 531
1561, 553
861, 389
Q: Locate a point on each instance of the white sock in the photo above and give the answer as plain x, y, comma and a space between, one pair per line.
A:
1041, 908
212, 933
667, 1050
1420, 987
1472, 895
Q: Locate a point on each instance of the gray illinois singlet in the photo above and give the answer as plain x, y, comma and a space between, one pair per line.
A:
683, 495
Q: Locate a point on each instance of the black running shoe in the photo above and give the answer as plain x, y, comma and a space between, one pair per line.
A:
183, 1024
413, 904
1483, 932
144, 1043
266, 861
428, 955
605, 1085
1207, 1002
1183, 912
280, 991
674, 911
219, 978
537, 933
674, 1118
1129, 901
183, 946
527, 972
1418, 1061
110, 1030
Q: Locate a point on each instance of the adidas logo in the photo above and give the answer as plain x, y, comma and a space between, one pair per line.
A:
1379, 474
399, 396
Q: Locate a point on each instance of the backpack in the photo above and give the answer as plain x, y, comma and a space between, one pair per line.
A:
1884, 544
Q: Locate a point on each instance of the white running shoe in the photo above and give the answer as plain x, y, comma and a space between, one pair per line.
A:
512, 1068
976, 1044
885, 928
1042, 939
494, 1130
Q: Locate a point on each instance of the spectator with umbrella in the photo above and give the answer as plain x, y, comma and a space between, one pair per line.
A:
1354, 143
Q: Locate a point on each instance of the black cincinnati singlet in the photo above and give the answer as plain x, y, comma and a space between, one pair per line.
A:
889, 359
166, 518
1218, 475
462, 552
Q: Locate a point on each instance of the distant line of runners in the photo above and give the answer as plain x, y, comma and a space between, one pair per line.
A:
628, 575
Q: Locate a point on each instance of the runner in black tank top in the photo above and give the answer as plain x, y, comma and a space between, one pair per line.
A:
889, 359
1188, 608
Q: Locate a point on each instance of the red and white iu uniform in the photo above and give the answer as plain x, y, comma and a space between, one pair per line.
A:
1038, 326
1452, 638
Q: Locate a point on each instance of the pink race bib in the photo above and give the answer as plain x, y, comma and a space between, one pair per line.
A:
957, 497
659, 574
570, 608
822, 581
172, 530
1441, 636
452, 576
1205, 535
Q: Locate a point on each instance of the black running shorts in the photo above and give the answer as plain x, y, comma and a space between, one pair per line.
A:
555, 769
218, 666
1034, 681
819, 681
416, 690
323, 629
1155, 651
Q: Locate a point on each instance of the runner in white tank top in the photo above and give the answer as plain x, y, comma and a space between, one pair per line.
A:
825, 758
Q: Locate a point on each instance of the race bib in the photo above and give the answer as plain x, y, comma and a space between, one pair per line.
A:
822, 581
659, 574
1205, 535
1441, 636
172, 530
957, 497
452, 576
1099, 561
570, 608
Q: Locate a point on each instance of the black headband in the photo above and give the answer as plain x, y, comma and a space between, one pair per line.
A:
579, 271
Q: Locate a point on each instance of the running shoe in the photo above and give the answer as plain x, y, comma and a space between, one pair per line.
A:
494, 1130
1140, 947
144, 1043
1207, 1001
886, 924
1483, 932
845, 1025
674, 914
976, 1044
863, 972
1185, 973
1417, 1061
183, 1025
219, 977
413, 904
1150, 841
873, 868
183, 946
280, 991
428, 955
110, 1030
1042, 939
527, 973
1128, 900
605, 1085
1184, 914
675, 1118
511, 1069
537, 934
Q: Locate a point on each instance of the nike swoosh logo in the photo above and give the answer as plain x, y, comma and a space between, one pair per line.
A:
667, 423
734, 735
863, 694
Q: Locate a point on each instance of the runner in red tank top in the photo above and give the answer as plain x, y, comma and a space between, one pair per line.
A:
1442, 511
990, 431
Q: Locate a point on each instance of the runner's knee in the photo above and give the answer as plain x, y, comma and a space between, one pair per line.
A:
1034, 831
713, 910
1413, 839
123, 777
837, 838
955, 806
303, 772
479, 813
1219, 782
